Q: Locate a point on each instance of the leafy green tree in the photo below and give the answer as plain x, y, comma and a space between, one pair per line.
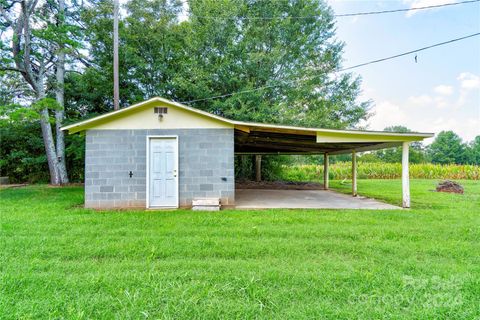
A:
38, 36
230, 48
22, 154
447, 148
416, 152
223, 47
148, 57
473, 151
370, 157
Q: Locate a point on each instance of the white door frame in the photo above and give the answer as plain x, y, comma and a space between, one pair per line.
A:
149, 138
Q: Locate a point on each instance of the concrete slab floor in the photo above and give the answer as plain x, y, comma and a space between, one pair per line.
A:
303, 199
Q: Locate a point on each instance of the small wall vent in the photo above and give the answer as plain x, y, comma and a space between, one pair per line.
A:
160, 110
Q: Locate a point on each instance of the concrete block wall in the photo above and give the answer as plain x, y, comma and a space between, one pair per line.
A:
206, 166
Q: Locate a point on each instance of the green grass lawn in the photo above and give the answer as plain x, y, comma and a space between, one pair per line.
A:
58, 260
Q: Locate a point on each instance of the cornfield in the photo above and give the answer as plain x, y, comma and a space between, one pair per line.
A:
380, 170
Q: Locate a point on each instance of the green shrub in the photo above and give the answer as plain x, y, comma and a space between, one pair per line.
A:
22, 152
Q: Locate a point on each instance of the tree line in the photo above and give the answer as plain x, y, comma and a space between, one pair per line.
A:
56, 68
447, 148
56, 65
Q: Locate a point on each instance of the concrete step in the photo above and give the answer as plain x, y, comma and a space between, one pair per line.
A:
206, 204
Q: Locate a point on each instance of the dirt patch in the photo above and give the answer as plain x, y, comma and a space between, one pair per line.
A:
73, 184
278, 185
17, 185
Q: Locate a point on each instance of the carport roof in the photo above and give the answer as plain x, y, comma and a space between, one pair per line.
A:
260, 138
263, 138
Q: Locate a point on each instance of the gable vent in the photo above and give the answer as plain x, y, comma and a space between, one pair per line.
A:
160, 110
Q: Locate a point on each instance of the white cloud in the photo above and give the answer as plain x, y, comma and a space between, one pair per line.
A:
469, 80
467, 129
469, 84
387, 114
443, 90
367, 92
424, 3
452, 104
443, 95
441, 102
421, 101
427, 101
184, 14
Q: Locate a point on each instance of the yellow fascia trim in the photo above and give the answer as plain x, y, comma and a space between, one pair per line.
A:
342, 137
323, 135
103, 120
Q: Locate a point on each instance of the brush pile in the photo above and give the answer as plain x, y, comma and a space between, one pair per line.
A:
449, 186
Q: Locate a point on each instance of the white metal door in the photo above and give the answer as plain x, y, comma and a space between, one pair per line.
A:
163, 178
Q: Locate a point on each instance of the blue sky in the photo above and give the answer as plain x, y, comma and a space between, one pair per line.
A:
442, 90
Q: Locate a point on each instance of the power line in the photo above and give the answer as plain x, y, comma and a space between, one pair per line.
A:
337, 15
410, 52
341, 70
404, 10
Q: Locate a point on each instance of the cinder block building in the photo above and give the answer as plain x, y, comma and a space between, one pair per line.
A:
162, 154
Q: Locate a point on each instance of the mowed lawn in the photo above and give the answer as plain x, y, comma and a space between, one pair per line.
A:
58, 260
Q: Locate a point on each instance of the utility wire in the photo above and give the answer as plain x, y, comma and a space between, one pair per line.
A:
404, 10
337, 15
340, 70
410, 52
